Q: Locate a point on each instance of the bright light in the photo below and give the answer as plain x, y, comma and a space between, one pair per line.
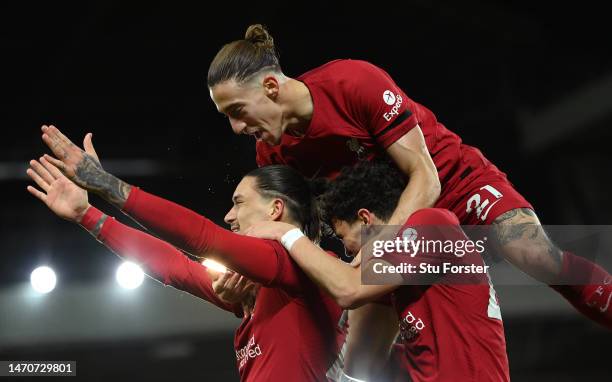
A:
43, 279
129, 275
212, 264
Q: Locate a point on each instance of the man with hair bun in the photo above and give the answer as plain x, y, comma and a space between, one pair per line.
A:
350, 110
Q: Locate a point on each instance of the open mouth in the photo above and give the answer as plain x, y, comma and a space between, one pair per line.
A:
235, 229
258, 135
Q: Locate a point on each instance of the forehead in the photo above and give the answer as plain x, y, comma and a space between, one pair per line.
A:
227, 93
245, 187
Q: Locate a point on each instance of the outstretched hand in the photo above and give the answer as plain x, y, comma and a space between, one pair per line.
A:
83, 166
63, 197
234, 288
71, 159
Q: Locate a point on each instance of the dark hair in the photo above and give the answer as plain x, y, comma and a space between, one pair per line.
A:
240, 59
374, 185
278, 181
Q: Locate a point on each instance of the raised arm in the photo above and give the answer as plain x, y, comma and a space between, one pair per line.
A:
339, 279
263, 261
159, 259
411, 156
392, 119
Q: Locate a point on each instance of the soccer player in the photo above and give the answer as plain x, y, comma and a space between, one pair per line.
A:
291, 333
348, 110
451, 325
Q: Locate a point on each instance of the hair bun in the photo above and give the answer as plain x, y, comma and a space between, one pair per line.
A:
257, 34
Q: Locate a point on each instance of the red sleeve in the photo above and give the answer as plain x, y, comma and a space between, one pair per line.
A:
159, 259
263, 261
381, 106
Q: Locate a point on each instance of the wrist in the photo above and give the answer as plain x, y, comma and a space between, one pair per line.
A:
79, 216
92, 220
290, 237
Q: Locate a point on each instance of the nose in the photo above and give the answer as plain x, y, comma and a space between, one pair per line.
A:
230, 216
237, 126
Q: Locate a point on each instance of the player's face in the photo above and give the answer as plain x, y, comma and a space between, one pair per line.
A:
350, 234
249, 206
249, 109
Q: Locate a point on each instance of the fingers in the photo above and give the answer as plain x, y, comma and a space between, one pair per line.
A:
224, 277
233, 280
40, 175
219, 284
40, 195
54, 145
55, 162
57, 134
57, 142
249, 286
54, 171
38, 180
240, 284
88, 146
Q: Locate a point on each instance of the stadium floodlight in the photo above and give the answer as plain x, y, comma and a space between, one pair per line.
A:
43, 279
129, 275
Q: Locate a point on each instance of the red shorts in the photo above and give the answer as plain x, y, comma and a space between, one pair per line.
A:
481, 196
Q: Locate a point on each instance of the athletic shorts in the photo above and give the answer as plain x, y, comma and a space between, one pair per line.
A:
481, 195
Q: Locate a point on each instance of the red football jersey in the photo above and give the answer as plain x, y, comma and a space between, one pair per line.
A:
295, 332
450, 332
359, 111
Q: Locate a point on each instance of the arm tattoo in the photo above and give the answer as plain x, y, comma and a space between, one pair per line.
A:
521, 212
90, 175
96, 230
519, 224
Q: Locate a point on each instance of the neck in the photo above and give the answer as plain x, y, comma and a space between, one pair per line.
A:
299, 108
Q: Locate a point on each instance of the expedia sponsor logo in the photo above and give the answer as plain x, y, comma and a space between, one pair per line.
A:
410, 326
249, 351
395, 109
389, 97
410, 234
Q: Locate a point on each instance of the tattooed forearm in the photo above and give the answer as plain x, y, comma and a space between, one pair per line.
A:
508, 233
520, 213
520, 228
90, 175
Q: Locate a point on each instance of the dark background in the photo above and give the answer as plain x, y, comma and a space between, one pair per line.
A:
523, 81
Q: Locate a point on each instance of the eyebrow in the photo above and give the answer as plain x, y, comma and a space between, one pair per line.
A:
230, 107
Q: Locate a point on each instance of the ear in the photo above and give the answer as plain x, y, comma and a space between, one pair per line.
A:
277, 209
365, 216
271, 86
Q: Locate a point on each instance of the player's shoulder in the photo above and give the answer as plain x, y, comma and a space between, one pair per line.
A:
433, 216
340, 68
